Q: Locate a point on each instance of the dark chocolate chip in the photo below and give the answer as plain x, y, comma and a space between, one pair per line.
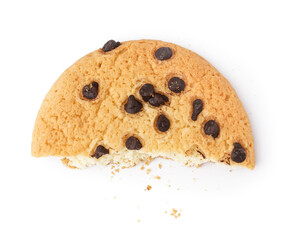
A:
238, 154
176, 85
100, 151
146, 91
201, 154
158, 100
163, 53
110, 45
212, 128
133, 143
237, 145
162, 123
90, 91
133, 105
197, 108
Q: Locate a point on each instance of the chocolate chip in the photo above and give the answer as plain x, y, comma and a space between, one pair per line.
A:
158, 100
100, 151
238, 154
176, 85
211, 128
201, 154
146, 91
90, 91
133, 143
237, 145
110, 45
133, 105
197, 108
163, 53
162, 123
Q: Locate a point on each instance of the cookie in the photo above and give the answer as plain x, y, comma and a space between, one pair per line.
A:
132, 101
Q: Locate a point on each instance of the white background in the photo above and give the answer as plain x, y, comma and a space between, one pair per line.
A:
256, 45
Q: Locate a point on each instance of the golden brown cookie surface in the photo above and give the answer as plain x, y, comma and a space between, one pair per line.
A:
148, 96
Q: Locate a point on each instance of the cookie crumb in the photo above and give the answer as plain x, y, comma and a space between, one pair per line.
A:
230, 170
194, 179
117, 170
138, 220
113, 172
142, 168
148, 161
160, 166
178, 189
148, 171
157, 177
175, 213
149, 187
169, 185
65, 162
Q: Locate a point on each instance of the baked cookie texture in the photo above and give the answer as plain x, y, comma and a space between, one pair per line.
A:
86, 131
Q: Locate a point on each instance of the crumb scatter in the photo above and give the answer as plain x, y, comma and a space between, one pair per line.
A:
175, 213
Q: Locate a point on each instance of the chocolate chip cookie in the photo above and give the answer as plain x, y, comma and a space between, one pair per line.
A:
130, 101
